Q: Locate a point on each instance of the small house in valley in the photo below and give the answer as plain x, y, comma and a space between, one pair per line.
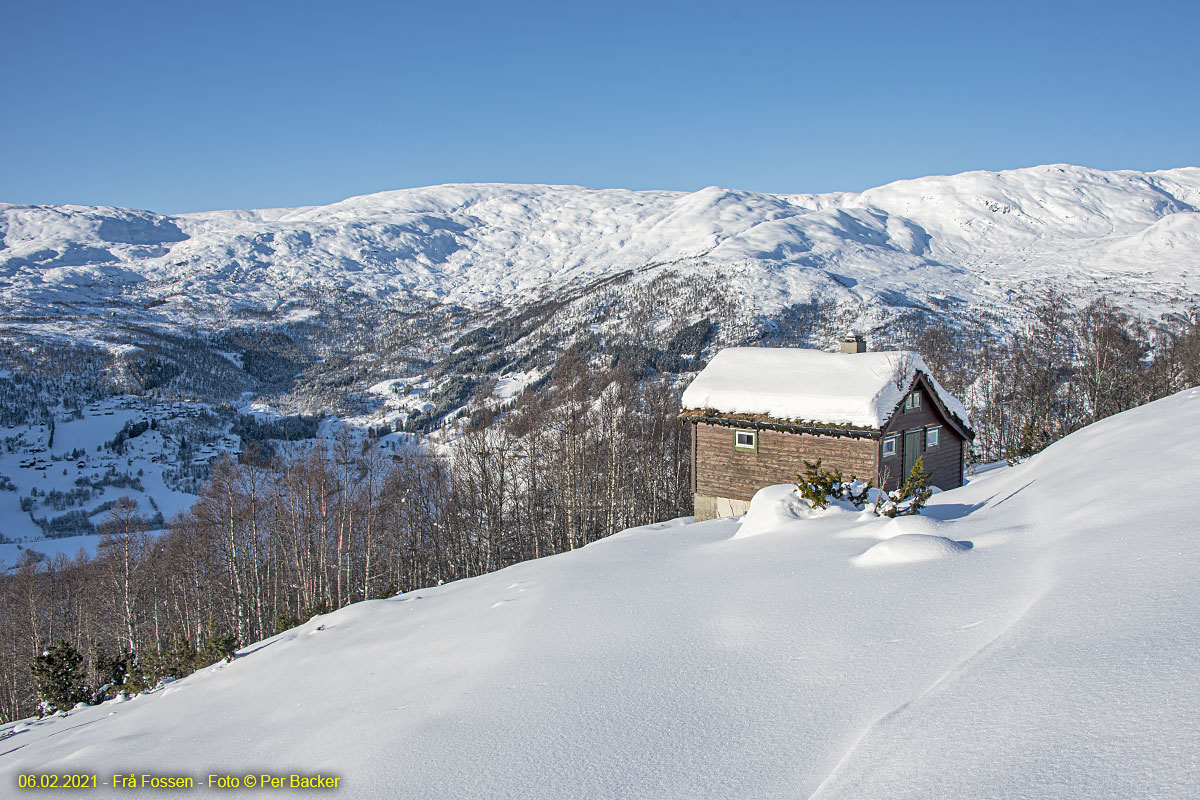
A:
757, 414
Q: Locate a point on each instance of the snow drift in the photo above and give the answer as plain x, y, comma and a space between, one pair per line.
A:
909, 548
1054, 658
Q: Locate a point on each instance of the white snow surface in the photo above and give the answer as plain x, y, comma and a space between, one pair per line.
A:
773, 508
861, 389
1056, 657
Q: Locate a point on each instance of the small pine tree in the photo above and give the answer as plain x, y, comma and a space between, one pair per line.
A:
285, 621
59, 679
111, 673
319, 607
1032, 442
909, 498
916, 486
175, 660
218, 647
816, 485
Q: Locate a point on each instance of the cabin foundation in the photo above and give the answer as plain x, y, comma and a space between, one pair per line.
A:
709, 506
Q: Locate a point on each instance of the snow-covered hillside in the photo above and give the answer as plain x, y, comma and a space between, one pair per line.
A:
969, 240
1033, 635
400, 306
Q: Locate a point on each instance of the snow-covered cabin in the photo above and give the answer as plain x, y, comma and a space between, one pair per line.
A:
759, 413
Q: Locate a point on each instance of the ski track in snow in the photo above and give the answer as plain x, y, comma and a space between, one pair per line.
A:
878, 727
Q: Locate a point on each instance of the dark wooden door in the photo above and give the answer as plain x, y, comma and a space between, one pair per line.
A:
912, 450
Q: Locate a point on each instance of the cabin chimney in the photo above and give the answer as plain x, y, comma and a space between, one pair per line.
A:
853, 343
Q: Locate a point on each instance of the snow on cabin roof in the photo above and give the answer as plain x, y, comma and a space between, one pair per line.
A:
855, 389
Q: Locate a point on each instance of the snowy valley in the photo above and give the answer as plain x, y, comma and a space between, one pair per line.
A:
394, 312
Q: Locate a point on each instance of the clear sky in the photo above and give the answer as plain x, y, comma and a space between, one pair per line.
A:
177, 106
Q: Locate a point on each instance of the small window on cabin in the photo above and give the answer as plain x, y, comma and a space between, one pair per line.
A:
745, 440
889, 446
912, 402
932, 435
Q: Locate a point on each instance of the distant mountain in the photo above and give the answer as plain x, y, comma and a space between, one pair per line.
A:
480, 277
969, 238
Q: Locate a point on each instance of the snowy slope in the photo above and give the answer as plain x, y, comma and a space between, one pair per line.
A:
972, 240
1032, 636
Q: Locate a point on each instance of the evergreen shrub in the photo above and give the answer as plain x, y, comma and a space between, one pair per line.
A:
818, 486
59, 679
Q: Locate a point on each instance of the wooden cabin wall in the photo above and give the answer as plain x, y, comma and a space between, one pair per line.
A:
721, 471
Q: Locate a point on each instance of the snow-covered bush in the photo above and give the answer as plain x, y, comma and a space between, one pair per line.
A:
818, 486
59, 678
111, 674
909, 498
178, 659
218, 647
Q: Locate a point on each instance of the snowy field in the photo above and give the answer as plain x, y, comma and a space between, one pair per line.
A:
153, 466
79, 457
1034, 635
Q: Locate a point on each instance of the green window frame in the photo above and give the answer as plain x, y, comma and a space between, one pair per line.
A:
745, 441
933, 436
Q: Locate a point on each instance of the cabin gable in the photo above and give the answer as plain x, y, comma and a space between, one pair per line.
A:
926, 426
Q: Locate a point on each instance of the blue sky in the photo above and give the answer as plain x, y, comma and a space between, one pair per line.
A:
187, 106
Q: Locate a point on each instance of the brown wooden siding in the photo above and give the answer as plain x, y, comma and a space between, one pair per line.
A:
721, 471
694, 461
943, 463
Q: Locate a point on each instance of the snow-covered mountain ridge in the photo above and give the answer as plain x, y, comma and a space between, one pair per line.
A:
1032, 634
974, 239
400, 306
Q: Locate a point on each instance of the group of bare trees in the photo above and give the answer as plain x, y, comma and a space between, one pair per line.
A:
269, 544
1063, 369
